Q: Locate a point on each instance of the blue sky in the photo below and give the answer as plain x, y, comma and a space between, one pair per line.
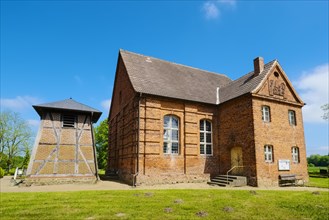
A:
54, 50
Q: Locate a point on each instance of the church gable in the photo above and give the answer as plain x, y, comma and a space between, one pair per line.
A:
123, 90
277, 86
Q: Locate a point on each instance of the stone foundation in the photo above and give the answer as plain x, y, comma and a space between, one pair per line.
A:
60, 180
141, 179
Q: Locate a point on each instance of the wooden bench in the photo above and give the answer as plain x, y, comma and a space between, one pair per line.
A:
287, 179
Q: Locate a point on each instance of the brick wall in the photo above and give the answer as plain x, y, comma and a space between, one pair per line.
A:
236, 130
123, 130
282, 136
278, 94
154, 165
188, 165
123, 127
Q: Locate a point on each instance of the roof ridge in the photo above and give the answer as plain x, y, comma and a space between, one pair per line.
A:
178, 64
46, 105
233, 81
81, 103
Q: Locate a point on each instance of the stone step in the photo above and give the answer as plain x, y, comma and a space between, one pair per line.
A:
232, 181
218, 184
223, 179
220, 181
232, 177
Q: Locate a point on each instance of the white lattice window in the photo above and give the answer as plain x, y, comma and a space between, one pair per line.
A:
170, 134
205, 137
266, 115
268, 152
292, 117
295, 154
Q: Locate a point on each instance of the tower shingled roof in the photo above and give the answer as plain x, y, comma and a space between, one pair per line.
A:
68, 105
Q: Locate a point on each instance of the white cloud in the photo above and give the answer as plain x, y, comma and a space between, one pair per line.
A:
313, 89
212, 9
106, 104
33, 123
19, 103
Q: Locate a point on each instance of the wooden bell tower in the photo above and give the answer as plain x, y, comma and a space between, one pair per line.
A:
64, 149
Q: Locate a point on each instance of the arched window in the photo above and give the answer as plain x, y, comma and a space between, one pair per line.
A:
170, 134
205, 137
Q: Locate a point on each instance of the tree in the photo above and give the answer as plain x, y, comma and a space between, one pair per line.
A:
26, 158
324, 161
15, 136
325, 108
314, 159
318, 160
101, 139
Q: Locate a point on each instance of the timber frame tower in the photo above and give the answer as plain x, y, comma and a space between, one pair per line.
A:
64, 149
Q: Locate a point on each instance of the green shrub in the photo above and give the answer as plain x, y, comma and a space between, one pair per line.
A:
11, 172
311, 165
2, 172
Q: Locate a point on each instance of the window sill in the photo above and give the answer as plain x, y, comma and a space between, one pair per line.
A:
206, 155
167, 154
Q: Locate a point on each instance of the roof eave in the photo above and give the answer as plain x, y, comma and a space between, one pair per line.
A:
41, 110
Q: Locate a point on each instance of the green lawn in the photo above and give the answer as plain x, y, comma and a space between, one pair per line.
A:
166, 204
315, 170
318, 182
316, 179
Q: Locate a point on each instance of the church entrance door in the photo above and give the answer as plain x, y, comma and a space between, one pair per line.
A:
236, 161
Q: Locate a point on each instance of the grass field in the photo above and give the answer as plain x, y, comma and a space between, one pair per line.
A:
166, 204
316, 179
318, 182
315, 170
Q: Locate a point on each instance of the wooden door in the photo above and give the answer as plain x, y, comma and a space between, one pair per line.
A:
236, 160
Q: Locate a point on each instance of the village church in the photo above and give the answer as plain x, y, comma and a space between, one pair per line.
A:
173, 123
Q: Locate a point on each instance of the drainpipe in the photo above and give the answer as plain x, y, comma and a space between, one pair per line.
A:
94, 146
217, 96
217, 129
137, 150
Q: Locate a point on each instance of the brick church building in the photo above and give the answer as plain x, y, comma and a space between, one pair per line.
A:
174, 123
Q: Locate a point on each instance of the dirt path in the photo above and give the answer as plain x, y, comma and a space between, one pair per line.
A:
7, 186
